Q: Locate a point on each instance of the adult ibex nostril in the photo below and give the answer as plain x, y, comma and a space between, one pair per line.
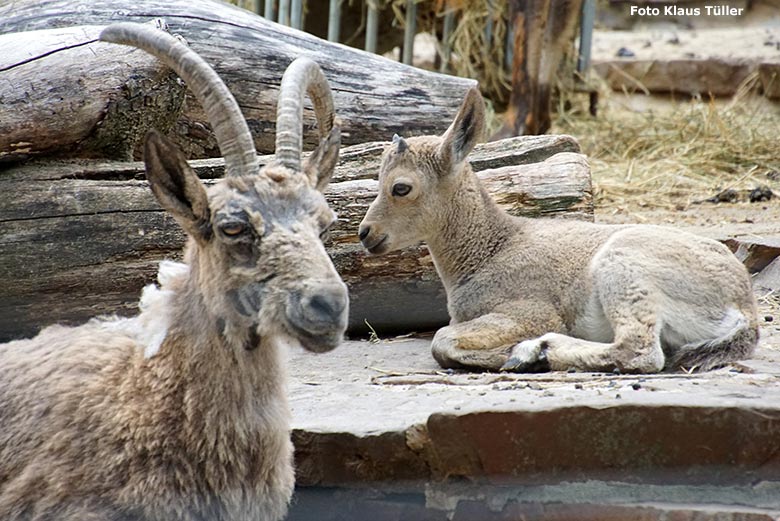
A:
326, 306
364, 232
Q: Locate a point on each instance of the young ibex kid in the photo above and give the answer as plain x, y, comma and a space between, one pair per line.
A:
527, 294
180, 413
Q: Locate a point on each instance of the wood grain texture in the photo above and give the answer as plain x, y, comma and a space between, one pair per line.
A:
64, 93
80, 239
374, 97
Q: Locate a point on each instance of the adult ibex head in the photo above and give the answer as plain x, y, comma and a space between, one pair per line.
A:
257, 263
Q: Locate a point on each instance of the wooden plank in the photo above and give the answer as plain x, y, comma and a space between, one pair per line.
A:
81, 239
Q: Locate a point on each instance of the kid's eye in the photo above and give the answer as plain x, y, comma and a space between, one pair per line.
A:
401, 189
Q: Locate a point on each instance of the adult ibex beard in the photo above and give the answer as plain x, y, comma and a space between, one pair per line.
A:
530, 294
180, 413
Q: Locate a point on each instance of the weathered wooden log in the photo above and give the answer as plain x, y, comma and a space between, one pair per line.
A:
63, 92
374, 97
81, 239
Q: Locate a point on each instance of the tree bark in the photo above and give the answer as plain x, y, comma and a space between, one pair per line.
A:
80, 239
63, 92
374, 97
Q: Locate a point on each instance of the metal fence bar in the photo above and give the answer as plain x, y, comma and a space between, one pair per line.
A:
334, 20
256, 6
372, 26
586, 34
268, 11
488, 28
284, 12
409, 31
296, 15
509, 45
446, 48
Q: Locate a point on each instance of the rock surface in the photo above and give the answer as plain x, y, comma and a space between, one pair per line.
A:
379, 427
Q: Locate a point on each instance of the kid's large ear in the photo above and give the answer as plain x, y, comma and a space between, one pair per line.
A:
320, 164
176, 186
465, 131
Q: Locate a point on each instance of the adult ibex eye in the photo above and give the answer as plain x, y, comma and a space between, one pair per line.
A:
401, 189
232, 229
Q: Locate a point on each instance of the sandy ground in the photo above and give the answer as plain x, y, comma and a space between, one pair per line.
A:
736, 43
716, 220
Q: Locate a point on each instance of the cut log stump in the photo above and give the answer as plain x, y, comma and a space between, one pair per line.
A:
81, 239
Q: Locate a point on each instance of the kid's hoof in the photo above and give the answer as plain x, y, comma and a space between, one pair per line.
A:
527, 357
516, 365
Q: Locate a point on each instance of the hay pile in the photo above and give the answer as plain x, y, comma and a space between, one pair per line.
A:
680, 155
476, 52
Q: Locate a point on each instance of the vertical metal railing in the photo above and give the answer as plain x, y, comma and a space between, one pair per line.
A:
296, 14
290, 12
409, 31
446, 33
284, 12
372, 26
334, 20
587, 17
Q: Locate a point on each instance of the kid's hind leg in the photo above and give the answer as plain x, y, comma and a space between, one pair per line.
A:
484, 342
628, 303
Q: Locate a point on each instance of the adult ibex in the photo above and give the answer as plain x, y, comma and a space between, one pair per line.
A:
526, 294
180, 412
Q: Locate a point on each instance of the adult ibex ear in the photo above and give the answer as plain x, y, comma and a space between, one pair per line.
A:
176, 186
465, 131
320, 164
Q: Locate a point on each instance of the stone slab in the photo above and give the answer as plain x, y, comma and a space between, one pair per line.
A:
379, 427
394, 393
755, 252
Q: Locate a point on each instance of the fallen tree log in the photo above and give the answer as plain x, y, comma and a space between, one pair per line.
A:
63, 92
81, 239
374, 97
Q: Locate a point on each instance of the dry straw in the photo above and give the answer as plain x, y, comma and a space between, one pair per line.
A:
674, 157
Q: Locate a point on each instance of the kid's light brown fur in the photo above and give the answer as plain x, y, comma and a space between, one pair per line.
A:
527, 294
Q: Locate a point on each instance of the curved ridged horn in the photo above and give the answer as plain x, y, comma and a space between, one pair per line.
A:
233, 136
302, 76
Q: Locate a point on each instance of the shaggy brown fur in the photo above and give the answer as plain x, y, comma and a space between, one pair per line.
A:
180, 412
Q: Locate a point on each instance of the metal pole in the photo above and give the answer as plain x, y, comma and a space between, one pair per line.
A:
446, 48
586, 35
488, 29
411, 28
296, 16
256, 6
269, 10
509, 45
372, 26
284, 12
334, 20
